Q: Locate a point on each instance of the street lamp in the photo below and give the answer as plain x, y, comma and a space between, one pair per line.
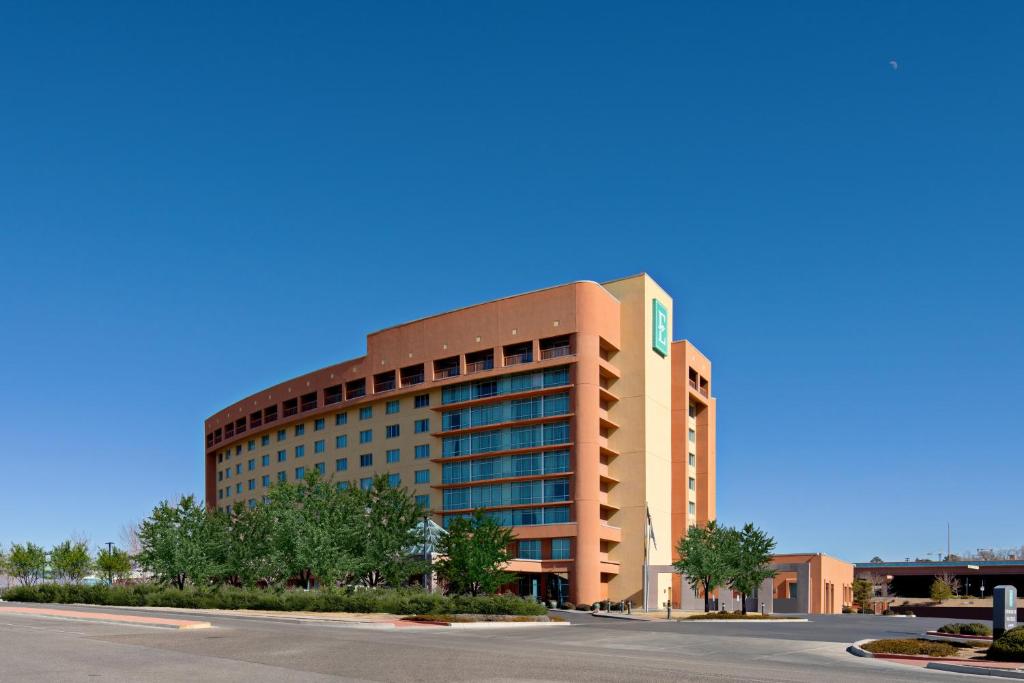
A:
110, 571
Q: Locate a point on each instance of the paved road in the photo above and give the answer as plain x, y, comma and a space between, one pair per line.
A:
593, 649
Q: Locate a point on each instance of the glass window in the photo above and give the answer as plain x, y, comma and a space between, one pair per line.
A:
341, 419
238, 487
693, 508
341, 464
252, 484
556, 490
365, 483
393, 455
227, 473
321, 468
238, 468
282, 476
391, 407
391, 431
693, 484
300, 451
318, 446
422, 476
529, 550
318, 424
423, 501
693, 436
422, 426
423, 451
560, 549
693, 459
282, 434
300, 472
366, 412
366, 460
422, 400
252, 464
342, 485
251, 445
266, 480
265, 439
300, 429
265, 460
558, 515
366, 436
394, 480
282, 456
341, 441
693, 410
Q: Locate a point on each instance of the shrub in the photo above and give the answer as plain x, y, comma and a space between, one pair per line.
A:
888, 613
847, 610
583, 607
1008, 647
568, 605
973, 629
909, 646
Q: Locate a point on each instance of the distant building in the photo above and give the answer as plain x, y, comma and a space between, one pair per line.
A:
914, 579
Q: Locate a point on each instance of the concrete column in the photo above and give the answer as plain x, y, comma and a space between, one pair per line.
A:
586, 586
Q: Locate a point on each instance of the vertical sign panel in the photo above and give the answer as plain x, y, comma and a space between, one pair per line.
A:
659, 328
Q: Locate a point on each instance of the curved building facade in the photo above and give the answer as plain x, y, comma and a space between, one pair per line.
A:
568, 413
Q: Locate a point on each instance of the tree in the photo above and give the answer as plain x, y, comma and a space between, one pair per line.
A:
749, 560
474, 554
179, 544
876, 560
26, 563
944, 587
704, 558
247, 547
381, 538
115, 564
70, 561
862, 593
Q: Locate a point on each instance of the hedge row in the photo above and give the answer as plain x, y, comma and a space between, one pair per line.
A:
1008, 647
392, 601
910, 646
972, 629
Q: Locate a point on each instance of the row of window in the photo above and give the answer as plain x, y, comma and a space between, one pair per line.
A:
505, 466
530, 436
506, 411
513, 493
508, 384
521, 517
422, 501
393, 455
394, 479
531, 550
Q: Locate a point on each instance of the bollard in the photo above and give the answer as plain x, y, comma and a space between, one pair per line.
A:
629, 607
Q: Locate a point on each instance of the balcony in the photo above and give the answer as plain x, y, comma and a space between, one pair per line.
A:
445, 373
479, 366
412, 380
693, 385
555, 352
518, 359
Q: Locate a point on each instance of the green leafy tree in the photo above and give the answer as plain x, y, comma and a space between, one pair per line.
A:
247, 547
750, 557
704, 558
70, 561
381, 533
943, 588
26, 563
863, 591
474, 554
113, 563
179, 543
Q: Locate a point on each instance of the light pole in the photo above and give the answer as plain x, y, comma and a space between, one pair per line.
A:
110, 572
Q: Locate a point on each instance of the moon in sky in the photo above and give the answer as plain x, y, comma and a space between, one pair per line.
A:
894, 64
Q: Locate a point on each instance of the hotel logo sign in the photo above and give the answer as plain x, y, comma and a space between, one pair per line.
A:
659, 328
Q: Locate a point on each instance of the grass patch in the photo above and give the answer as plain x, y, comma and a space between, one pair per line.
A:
1008, 647
728, 616
390, 601
909, 646
973, 629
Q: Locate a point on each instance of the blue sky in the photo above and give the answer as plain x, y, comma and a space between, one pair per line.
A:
199, 200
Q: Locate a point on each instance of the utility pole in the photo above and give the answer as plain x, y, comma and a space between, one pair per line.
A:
949, 552
110, 573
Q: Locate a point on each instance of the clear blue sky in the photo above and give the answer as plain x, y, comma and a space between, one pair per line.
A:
199, 200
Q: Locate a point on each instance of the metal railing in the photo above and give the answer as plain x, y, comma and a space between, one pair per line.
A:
412, 379
555, 352
446, 372
479, 366
355, 393
386, 385
332, 398
518, 358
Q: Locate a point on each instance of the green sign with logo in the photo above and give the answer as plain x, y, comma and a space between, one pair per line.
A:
659, 328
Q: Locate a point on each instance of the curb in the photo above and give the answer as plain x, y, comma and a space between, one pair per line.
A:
742, 621
975, 670
506, 624
959, 637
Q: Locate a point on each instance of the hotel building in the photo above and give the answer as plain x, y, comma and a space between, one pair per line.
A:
568, 413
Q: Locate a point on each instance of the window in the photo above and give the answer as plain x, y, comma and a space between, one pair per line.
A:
265, 460
266, 480
423, 451
342, 485
341, 441
227, 473
300, 430
366, 412
391, 431
300, 472
318, 446
220, 457
282, 456
238, 468
238, 487
282, 434
422, 425
300, 451
238, 449
394, 480
693, 508
366, 483
422, 476
693, 410
220, 476
265, 439
252, 464
282, 476
423, 501
366, 460
341, 464
529, 550
693, 436
341, 419
693, 459
394, 455
252, 484
693, 484
421, 401
318, 424
366, 436
251, 445
321, 468
560, 549
392, 407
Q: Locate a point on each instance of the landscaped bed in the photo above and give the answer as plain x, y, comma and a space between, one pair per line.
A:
726, 616
912, 646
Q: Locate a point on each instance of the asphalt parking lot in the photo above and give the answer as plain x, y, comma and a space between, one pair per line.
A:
239, 648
